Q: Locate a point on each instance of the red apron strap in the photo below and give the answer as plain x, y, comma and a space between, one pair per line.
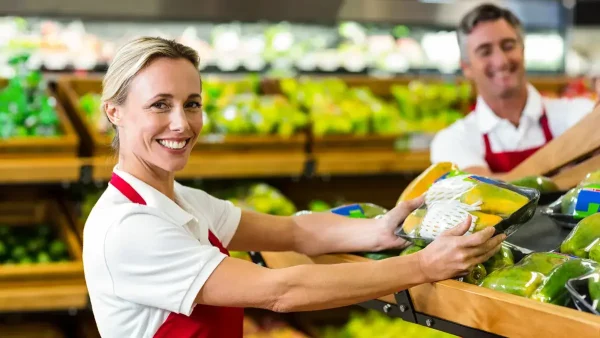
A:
217, 243
488, 146
126, 189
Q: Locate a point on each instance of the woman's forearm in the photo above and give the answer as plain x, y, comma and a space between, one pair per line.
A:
308, 287
316, 287
321, 233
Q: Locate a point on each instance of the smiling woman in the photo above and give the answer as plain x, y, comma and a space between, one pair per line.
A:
155, 252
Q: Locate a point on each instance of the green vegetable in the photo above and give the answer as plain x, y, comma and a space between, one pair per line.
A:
411, 249
594, 288
541, 183
476, 275
502, 259
378, 255
19, 252
542, 262
318, 206
553, 290
525, 277
582, 237
514, 280
26, 260
57, 249
43, 257
595, 252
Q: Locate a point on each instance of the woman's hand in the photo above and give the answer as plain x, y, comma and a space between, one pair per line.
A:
389, 222
453, 254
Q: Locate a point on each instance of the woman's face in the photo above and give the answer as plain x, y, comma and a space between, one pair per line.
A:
162, 115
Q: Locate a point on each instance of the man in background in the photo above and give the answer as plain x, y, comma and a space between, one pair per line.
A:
511, 120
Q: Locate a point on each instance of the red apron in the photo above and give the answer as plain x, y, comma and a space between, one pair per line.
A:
505, 161
205, 321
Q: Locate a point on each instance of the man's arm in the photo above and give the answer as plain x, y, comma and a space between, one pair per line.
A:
319, 233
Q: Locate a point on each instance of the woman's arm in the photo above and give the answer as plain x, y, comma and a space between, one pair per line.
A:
320, 233
312, 287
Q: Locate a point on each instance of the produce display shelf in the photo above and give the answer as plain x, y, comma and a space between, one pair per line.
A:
64, 145
473, 306
356, 162
219, 165
40, 169
42, 286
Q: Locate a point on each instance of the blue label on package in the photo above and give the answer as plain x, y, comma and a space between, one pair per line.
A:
351, 210
484, 179
588, 202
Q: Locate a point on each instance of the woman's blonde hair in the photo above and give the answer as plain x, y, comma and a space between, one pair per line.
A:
130, 59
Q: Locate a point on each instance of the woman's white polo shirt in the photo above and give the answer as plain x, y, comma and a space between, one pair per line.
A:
143, 262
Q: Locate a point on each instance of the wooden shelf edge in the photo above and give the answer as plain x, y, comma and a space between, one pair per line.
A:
351, 162
40, 170
471, 305
44, 297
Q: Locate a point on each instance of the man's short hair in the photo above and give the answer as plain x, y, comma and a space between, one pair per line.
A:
484, 13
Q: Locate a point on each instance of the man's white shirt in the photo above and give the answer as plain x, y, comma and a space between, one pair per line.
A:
462, 142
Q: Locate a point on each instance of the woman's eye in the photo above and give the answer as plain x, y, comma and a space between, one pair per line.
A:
194, 105
160, 105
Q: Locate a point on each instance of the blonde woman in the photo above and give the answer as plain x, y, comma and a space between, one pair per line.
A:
156, 252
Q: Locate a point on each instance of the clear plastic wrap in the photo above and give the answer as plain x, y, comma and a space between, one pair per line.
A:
451, 199
585, 292
578, 203
541, 276
584, 240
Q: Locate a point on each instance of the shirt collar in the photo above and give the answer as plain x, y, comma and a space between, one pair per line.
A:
156, 199
487, 120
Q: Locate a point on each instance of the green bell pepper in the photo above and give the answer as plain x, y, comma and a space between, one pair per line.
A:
502, 259
553, 290
477, 275
584, 235
411, 250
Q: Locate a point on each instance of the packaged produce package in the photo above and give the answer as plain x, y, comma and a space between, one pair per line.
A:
578, 203
540, 276
584, 240
451, 199
585, 291
354, 210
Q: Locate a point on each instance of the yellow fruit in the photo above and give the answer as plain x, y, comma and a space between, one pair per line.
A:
413, 220
485, 220
494, 200
420, 184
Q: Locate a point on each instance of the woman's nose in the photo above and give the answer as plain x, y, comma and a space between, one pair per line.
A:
179, 120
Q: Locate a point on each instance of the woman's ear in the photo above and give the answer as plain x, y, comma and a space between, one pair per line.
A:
113, 113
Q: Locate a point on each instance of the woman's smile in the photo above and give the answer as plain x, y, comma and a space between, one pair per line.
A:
175, 145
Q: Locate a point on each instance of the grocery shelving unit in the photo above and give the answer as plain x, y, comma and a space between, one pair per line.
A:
464, 309
356, 160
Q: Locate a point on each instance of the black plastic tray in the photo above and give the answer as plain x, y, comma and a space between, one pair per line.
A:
578, 289
554, 212
507, 226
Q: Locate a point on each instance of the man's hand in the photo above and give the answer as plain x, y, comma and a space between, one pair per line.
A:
390, 221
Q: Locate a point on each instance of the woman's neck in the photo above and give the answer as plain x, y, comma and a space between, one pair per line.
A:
157, 178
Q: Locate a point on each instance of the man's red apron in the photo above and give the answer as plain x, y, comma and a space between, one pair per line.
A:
506, 161
205, 321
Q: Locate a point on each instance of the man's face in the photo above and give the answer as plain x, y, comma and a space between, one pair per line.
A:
495, 59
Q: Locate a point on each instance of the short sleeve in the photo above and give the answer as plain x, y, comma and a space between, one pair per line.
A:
454, 145
155, 263
578, 109
223, 215
565, 113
